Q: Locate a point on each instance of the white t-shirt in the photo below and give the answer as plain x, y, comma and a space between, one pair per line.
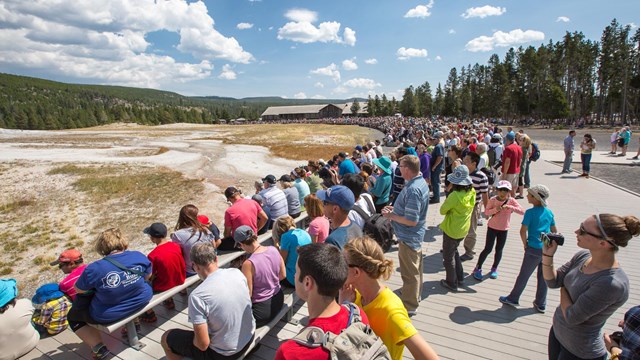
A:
17, 335
362, 203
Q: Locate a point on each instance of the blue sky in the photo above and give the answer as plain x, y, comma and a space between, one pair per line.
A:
294, 49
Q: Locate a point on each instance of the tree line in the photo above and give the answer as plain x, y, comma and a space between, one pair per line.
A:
568, 80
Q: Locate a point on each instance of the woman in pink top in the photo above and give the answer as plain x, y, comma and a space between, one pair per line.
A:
499, 208
319, 226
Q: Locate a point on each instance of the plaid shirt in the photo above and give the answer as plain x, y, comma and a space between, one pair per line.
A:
52, 315
631, 335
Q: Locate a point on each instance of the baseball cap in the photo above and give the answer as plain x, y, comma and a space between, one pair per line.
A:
339, 195
67, 256
286, 178
358, 147
511, 136
203, 219
156, 230
504, 184
269, 179
230, 191
242, 233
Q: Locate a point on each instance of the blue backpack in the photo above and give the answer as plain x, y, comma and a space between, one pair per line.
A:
535, 152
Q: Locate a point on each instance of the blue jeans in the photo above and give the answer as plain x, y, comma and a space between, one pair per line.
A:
568, 157
586, 162
532, 259
435, 184
527, 177
558, 352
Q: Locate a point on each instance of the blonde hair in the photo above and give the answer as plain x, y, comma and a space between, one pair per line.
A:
313, 205
282, 224
525, 141
109, 241
366, 254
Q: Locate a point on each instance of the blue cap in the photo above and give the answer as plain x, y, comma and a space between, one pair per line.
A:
8, 291
339, 195
511, 136
359, 148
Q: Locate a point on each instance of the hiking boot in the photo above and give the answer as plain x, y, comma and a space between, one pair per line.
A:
446, 285
102, 353
466, 257
494, 273
477, 274
507, 301
540, 309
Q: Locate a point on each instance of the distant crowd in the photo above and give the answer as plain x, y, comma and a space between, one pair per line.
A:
358, 204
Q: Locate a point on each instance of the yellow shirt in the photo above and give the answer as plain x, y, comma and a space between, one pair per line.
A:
389, 320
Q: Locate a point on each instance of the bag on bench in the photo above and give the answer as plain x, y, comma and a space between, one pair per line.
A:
376, 226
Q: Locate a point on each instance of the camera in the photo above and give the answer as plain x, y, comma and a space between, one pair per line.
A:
617, 337
547, 238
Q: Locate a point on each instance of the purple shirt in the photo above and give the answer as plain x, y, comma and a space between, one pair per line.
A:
266, 281
425, 165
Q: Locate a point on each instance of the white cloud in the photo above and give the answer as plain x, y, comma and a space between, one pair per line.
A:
301, 29
502, 39
349, 64
483, 11
361, 83
452, 31
632, 25
319, 97
420, 11
319, 85
408, 53
227, 73
300, 95
371, 61
563, 19
331, 71
438, 58
244, 26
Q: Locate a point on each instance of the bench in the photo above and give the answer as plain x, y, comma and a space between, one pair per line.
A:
223, 261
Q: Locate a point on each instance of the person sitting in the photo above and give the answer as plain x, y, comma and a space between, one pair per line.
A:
52, 307
364, 201
338, 201
71, 263
274, 199
188, 232
288, 239
263, 269
115, 288
223, 326
17, 336
319, 225
301, 184
242, 211
292, 194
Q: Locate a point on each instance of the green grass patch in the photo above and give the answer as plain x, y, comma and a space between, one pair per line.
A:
16, 205
6, 271
71, 169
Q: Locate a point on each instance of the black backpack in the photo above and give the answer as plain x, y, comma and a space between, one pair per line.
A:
491, 153
376, 226
491, 175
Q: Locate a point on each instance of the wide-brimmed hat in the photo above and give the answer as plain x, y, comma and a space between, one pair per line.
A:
8, 291
460, 176
383, 163
540, 192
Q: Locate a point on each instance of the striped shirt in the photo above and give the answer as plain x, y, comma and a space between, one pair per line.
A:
480, 183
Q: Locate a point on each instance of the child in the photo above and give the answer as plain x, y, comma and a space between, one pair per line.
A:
167, 264
538, 219
51, 308
499, 210
457, 210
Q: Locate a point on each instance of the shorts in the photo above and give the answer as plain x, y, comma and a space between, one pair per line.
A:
181, 342
513, 179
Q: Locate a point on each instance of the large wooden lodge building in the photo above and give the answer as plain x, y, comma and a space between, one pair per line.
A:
298, 112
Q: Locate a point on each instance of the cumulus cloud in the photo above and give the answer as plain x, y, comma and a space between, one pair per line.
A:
420, 11
438, 58
563, 19
319, 85
301, 29
331, 71
227, 73
502, 39
349, 64
452, 31
371, 61
362, 83
408, 53
483, 11
106, 43
244, 26
300, 95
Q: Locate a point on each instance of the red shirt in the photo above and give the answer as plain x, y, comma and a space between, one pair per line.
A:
167, 266
66, 285
513, 152
291, 350
242, 212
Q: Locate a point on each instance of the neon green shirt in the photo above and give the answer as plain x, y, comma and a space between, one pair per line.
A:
457, 209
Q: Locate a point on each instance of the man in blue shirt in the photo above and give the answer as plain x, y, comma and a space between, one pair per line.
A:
338, 201
568, 152
408, 216
345, 165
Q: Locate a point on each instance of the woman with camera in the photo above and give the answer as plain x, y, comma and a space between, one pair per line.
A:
592, 286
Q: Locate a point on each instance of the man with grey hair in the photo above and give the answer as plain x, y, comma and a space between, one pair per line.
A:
481, 149
223, 324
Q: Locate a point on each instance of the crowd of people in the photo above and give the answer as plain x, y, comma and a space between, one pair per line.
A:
335, 261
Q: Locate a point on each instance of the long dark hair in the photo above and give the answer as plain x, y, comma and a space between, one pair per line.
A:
188, 218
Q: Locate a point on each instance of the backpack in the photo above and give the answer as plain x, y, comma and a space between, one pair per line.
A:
356, 341
491, 153
535, 152
491, 175
376, 226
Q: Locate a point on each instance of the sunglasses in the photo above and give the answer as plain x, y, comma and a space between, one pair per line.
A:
582, 231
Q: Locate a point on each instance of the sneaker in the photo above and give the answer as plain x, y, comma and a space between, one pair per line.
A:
446, 285
466, 257
480, 222
493, 274
634, 158
477, 274
412, 313
505, 300
102, 353
540, 309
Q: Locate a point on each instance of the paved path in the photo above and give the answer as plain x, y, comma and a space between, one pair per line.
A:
469, 324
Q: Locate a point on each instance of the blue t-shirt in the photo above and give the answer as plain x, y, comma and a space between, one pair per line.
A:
347, 167
538, 219
438, 150
338, 237
117, 293
291, 241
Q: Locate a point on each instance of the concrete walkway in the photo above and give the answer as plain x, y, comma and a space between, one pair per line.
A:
597, 157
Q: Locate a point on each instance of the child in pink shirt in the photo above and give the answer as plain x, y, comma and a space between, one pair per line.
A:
499, 208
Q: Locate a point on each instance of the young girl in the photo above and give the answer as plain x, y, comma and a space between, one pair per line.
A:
386, 313
188, 232
499, 209
586, 148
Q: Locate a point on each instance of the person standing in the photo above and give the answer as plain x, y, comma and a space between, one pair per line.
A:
437, 164
568, 152
511, 160
481, 186
408, 217
586, 149
345, 165
625, 135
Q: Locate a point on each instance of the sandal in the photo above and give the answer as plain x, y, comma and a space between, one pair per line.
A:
169, 304
148, 317
124, 332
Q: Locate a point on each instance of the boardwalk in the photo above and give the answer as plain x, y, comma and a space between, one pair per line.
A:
470, 324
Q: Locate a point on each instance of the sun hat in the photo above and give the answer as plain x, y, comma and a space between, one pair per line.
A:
8, 291
67, 256
46, 293
383, 163
540, 192
339, 195
460, 176
504, 184
242, 233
